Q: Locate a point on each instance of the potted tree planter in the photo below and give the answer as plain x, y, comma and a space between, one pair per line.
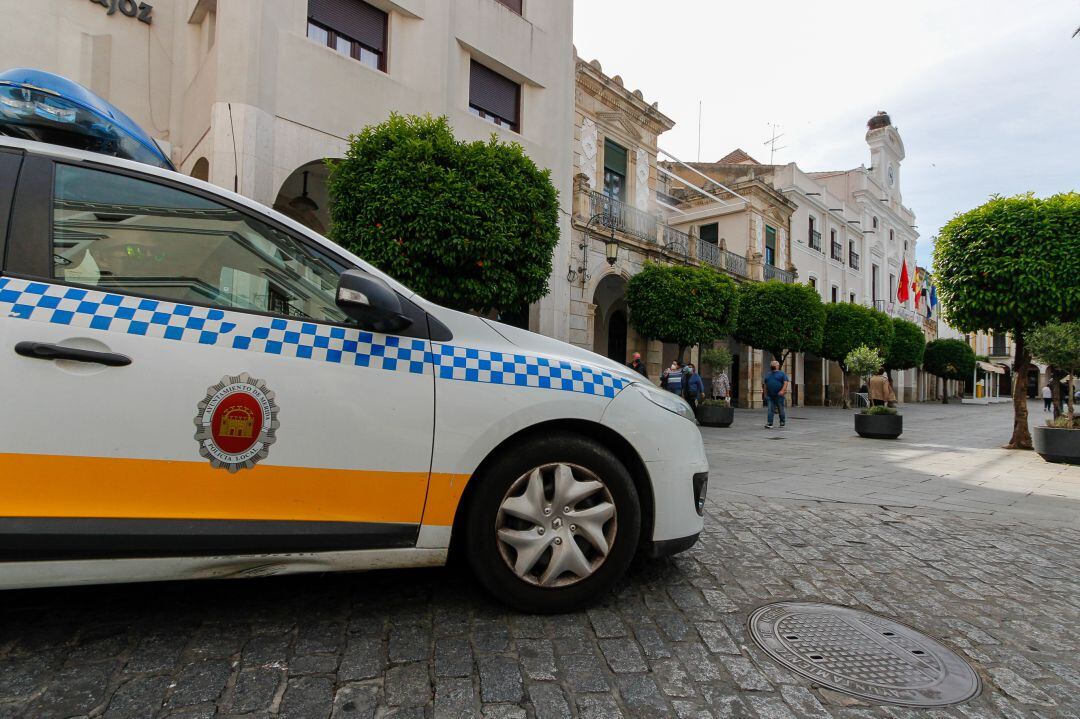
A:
1059, 345
715, 413
878, 422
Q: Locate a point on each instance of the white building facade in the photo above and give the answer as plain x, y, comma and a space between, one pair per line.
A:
852, 237
253, 95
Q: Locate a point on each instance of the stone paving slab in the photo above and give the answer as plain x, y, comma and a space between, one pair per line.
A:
999, 585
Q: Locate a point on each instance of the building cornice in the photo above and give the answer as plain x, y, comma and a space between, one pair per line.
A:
611, 92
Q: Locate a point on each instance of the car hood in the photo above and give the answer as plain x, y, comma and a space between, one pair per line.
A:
543, 345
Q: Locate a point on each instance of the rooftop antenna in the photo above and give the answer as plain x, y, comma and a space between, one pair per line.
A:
771, 142
699, 130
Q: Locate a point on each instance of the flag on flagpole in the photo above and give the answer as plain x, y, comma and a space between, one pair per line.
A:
933, 296
902, 292
916, 286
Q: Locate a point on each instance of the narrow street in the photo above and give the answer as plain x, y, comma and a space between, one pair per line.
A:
940, 530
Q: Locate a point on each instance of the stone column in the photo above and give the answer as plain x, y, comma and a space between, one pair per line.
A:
755, 265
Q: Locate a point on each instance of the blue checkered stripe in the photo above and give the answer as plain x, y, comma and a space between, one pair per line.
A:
475, 365
93, 309
61, 305
307, 340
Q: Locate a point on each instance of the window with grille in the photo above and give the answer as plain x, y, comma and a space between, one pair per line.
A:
351, 27
493, 97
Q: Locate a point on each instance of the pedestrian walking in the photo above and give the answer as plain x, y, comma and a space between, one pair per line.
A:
774, 389
695, 387
721, 386
881, 390
1048, 398
672, 378
637, 365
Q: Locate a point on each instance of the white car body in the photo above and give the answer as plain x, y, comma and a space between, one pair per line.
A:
378, 454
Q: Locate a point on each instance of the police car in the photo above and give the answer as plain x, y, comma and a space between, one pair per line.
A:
196, 386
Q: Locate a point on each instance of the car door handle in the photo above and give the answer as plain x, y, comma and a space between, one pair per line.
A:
45, 351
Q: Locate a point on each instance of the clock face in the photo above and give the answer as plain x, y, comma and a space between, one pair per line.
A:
891, 176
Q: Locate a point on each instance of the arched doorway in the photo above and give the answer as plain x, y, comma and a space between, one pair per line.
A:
201, 169
304, 196
617, 336
611, 334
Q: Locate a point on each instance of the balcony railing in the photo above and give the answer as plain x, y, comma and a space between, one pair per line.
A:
853, 259
837, 252
723, 259
773, 272
815, 240
620, 216
676, 242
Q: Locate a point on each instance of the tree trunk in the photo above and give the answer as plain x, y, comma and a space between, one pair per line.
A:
1072, 394
1021, 436
844, 388
1055, 391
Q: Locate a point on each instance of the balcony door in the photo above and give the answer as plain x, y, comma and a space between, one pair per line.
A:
614, 170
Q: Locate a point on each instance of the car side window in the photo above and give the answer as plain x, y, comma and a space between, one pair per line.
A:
122, 233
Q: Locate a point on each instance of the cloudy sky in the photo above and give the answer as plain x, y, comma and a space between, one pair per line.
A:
985, 93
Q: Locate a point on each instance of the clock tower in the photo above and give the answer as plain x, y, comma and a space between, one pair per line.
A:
886, 152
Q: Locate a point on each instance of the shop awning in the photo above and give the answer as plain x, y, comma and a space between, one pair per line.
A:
987, 367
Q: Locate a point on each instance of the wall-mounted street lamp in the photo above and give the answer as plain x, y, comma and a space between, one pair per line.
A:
611, 248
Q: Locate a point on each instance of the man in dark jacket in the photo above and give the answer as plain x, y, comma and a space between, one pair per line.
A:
693, 387
638, 366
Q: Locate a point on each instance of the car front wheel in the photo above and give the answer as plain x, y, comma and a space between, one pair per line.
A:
554, 524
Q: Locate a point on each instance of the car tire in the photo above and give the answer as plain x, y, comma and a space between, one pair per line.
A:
505, 534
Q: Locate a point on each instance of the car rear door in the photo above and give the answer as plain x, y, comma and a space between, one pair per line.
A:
177, 380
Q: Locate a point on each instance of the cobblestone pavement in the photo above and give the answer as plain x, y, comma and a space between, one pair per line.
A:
1000, 588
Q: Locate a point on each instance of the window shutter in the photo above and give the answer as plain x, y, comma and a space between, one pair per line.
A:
356, 19
493, 93
514, 5
614, 157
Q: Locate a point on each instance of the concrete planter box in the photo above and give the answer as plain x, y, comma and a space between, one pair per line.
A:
716, 416
879, 426
1058, 445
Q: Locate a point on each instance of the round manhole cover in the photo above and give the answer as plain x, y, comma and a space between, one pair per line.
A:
863, 654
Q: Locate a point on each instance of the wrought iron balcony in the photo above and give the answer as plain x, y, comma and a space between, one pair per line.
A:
772, 272
723, 259
837, 251
815, 240
676, 242
621, 217
853, 259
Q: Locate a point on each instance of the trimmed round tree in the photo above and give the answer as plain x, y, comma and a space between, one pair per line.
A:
1058, 344
849, 326
948, 359
780, 317
908, 345
686, 306
1011, 265
470, 225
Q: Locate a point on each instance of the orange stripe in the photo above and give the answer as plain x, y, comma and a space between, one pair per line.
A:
34, 485
444, 493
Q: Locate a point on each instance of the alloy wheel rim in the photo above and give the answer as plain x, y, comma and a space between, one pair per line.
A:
556, 525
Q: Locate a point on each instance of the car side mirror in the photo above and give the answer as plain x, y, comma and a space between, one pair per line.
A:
371, 302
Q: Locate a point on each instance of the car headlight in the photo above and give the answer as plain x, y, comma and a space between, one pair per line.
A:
662, 398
